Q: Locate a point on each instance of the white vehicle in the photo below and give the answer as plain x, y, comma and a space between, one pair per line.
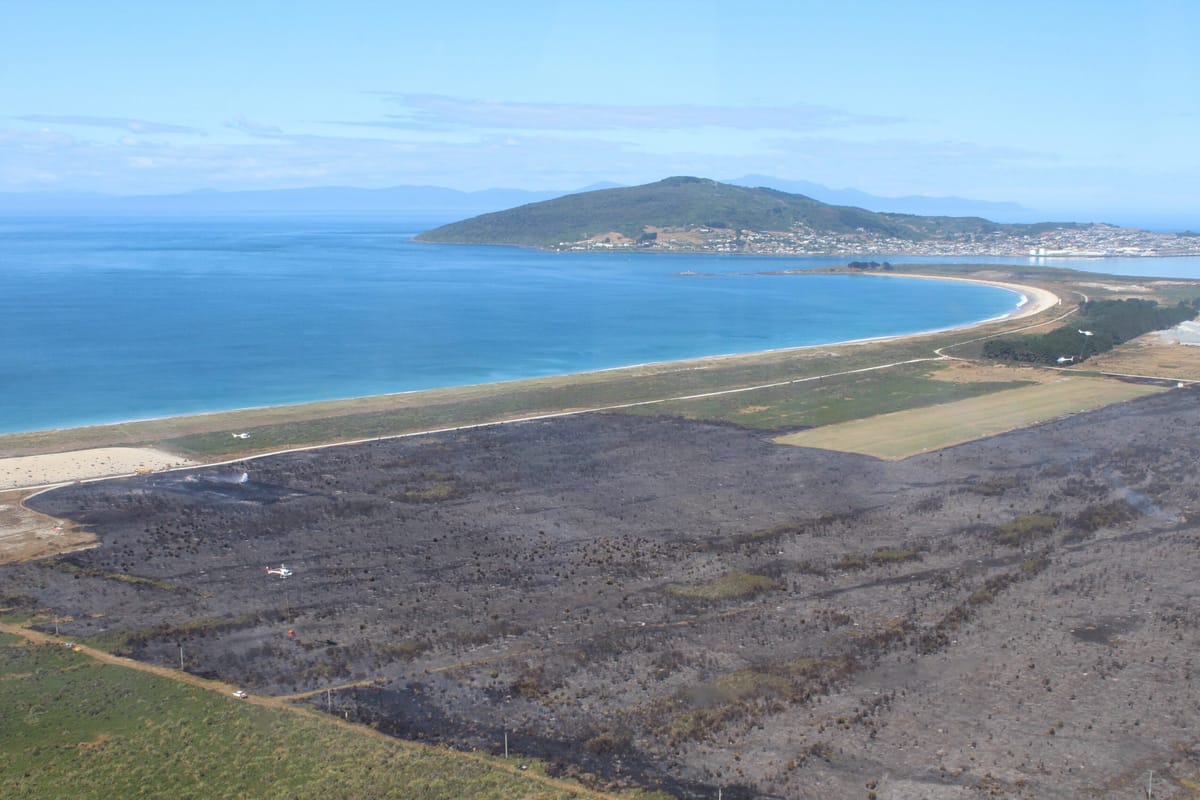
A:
240, 694
282, 571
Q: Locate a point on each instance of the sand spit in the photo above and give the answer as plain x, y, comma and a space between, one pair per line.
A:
1035, 299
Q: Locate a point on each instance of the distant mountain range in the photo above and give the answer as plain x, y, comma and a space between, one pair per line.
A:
436, 203
910, 204
683, 205
428, 203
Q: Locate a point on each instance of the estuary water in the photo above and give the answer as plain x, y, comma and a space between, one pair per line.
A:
115, 319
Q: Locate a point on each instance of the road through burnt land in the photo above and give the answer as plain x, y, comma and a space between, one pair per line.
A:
662, 601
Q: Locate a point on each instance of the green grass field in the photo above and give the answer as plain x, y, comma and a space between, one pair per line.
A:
906, 433
827, 401
73, 727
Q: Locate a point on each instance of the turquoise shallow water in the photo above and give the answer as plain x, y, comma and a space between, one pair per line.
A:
109, 320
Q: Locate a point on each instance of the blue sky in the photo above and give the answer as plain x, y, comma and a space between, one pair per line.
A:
1079, 109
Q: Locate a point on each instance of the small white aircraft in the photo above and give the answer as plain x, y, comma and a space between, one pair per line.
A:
282, 572
1085, 333
240, 435
1065, 359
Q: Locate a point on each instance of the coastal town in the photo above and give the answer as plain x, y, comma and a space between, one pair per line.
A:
1097, 240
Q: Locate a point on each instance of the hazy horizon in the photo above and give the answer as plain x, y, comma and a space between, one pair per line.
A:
1076, 114
414, 201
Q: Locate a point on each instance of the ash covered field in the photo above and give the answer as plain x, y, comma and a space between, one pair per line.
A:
663, 602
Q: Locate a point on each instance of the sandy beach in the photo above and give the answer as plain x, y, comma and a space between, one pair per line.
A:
99, 462
1036, 299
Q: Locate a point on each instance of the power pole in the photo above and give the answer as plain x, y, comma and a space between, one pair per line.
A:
181, 658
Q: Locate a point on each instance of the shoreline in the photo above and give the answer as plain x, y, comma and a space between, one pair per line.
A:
40, 471
1033, 301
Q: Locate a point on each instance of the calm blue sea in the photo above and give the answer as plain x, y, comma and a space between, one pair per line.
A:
110, 320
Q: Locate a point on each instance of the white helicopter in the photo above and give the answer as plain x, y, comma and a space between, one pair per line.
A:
282, 572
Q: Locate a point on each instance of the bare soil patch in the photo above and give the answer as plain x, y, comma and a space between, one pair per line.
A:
1151, 355
975, 372
753, 409
26, 534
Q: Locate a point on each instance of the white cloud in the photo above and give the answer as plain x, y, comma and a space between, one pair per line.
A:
139, 126
40, 159
244, 125
429, 111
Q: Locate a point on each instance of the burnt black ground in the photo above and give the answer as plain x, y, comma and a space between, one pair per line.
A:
519, 578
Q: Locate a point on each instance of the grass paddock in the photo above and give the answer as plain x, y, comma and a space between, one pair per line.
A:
906, 433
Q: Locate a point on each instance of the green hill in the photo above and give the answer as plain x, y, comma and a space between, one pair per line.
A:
683, 204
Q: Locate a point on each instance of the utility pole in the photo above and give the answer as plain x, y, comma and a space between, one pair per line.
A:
181, 658
506, 742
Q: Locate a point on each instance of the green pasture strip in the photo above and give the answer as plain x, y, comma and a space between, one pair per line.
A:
477, 405
827, 401
74, 727
905, 433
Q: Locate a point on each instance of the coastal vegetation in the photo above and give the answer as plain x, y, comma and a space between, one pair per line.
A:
838, 398
1101, 326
